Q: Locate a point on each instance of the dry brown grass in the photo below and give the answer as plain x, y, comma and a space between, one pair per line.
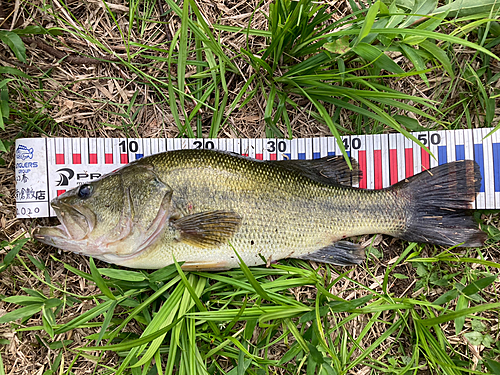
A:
75, 95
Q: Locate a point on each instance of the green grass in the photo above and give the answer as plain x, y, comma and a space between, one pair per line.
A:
194, 320
406, 316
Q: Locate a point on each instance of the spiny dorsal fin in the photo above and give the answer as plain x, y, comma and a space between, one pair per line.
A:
341, 253
328, 170
207, 229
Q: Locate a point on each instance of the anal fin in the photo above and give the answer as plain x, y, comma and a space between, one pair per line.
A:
206, 266
341, 253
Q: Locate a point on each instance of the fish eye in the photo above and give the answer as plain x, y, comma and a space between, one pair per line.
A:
85, 191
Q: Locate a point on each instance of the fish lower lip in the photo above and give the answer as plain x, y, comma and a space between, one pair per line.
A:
46, 233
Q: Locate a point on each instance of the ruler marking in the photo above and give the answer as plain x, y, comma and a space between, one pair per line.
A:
459, 145
155, 145
331, 142
301, 149
100, 151
49, 208
353, 152
92, 157
489, 187
108, 151
358, 145
386, 171
284, 149
478, 153
401, 152
309, 148
222, 144
322, 148
316, 147
378, 182
377, 156
245, 150
442, 149
370, 166
169, 144
77, 153
460, 152
272, 148
393, 158
59, 149
115, 151
409, 168
478, 157
211, 144
259, 152
426, 159
181, 144
417, 155
230, 145
68, 151
195, 143
146, 146
442, 155
496, 166
384, 159
450, 146
251, 148
294, 153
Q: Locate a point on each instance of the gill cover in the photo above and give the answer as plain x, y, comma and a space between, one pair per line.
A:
146, 207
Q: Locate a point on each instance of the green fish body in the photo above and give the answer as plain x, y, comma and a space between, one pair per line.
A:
199, 207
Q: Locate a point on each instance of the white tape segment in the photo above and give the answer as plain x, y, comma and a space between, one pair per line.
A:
47, 167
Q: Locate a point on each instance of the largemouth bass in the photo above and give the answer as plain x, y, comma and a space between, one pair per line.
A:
200, 206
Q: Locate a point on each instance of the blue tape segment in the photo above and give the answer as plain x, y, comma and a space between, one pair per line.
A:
289, 156
138, 156
478, 157
331, 153
496, 165
302, 156
442, 157
460, 152
316, 155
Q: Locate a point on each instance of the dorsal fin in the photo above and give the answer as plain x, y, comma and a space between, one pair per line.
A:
332, 170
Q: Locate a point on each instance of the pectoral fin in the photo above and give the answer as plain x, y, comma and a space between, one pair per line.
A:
207, 229
342, 253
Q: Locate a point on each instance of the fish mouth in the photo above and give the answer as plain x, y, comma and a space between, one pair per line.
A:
57, 236
76, 225
46, 234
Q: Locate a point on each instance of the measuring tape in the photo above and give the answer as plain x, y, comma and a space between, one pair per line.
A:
47, 167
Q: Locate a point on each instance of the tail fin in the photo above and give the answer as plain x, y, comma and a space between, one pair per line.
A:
439, 202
